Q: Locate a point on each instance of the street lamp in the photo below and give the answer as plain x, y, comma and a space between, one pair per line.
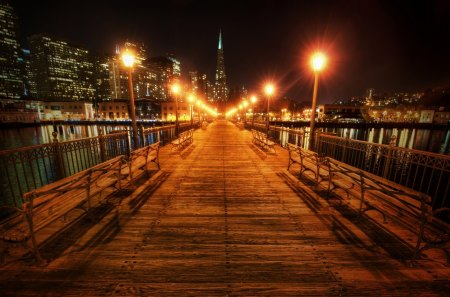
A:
253, 100
128, 62
245, 104
268, 89
176, 90
318, 62
191, 99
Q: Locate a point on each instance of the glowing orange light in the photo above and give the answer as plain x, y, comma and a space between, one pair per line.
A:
318, 61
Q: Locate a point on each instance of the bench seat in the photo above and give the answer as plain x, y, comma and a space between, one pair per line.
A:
409, 208
45, 205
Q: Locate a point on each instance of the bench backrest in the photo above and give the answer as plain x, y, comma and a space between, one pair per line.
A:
153, 154
44, 205
293, 150
407, 202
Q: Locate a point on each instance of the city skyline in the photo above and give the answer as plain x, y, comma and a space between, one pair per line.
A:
391, 47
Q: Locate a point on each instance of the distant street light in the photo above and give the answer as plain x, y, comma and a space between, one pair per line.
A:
268, 89
245, 104
128, 61
191, 105
253, 100
176, 90
318, 62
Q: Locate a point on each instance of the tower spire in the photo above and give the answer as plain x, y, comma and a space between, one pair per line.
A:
220, 87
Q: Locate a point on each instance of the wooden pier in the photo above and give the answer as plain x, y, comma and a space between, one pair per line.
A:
223, 218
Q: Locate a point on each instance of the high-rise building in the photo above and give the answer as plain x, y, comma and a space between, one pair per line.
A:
11, 83
101, 77
200, 85
62, 71
144, 77
29, 84
220, 87
168, 71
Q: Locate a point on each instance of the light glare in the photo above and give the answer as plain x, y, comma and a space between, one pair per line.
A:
269, 89
318, 61
128, 59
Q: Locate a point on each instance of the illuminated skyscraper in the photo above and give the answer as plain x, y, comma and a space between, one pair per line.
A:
167, 70
220, 87
11, 83
62, 71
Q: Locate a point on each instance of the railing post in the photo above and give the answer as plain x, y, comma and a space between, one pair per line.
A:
141, 132
58, 156
387, 164
102, 143
346, 142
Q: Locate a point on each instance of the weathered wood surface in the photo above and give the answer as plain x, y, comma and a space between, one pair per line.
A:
223, 218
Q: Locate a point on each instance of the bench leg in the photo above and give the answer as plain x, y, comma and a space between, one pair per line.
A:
37, 255
4, 250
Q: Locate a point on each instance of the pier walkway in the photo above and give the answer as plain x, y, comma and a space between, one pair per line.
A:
223, 218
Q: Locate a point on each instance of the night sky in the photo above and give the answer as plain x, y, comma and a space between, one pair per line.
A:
388, 45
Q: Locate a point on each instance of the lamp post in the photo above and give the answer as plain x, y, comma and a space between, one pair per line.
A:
128, 61
245, 104
318, 61
253, 100
268, 89
191, 99
176, 90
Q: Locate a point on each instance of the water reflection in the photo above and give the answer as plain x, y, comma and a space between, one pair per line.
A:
20, 137
436, 141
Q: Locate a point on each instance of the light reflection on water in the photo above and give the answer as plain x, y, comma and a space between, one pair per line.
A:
20, 137
437, 141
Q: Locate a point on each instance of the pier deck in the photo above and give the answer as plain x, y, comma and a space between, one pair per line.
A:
222, 218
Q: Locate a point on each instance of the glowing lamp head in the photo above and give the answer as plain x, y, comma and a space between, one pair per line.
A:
128, 59
269, 89
253, 99
191, 98
318, 61
175, 88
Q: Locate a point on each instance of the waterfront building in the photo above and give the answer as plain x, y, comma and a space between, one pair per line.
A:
114, 110
220, 87
148, 108
62, 71
67, 110
11, 83
20, 111
168, 111
334, 112
426, 116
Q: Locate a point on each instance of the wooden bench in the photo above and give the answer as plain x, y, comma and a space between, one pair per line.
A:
45, 205
261, 140
184, 139
140, 159
308, 161
407, 207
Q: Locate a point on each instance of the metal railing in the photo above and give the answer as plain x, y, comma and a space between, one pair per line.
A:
420, 170
283, 135
28, 168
